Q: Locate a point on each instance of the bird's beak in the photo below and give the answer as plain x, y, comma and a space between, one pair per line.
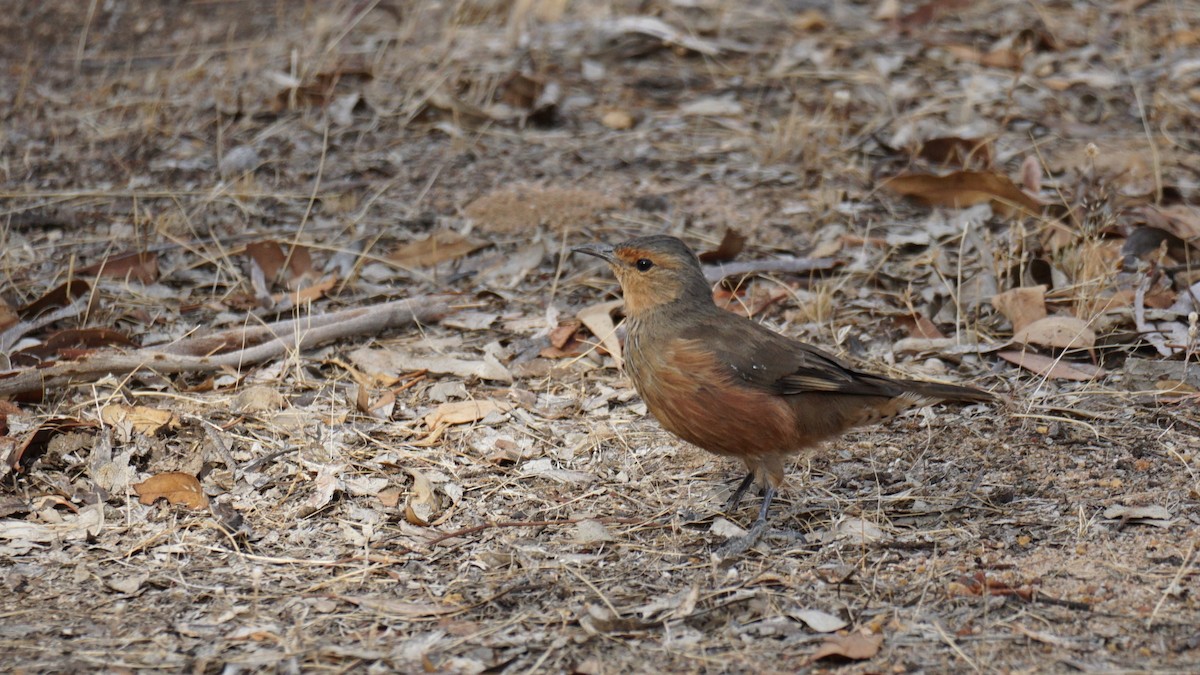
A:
601, 251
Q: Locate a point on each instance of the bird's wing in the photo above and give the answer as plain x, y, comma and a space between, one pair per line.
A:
765, 359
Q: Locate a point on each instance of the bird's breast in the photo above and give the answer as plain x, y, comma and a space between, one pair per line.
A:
701, 400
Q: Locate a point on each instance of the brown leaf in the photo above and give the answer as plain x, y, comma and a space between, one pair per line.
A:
964, 188
998, 58
854, 646
72, 343
919, 326
274, 260
731, 245
564, 333
1052, 367
33, 445
954, 150
142, 419
437, 248
61, 296
1021, 306
462, 412
1058, 332
180, 489
140, 266
8, 315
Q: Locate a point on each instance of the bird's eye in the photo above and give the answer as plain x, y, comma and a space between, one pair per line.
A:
644, 264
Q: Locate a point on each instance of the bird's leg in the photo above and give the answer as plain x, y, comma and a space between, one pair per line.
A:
739, 492
768, 496
739, 545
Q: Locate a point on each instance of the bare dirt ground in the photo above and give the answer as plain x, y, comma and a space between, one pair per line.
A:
482, 491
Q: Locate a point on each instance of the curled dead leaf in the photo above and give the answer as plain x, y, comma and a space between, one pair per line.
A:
965, 188
422, 505
180, 489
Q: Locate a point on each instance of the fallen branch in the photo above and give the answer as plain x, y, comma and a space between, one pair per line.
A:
718, 272
232, 348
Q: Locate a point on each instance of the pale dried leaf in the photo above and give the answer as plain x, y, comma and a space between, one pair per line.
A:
462, 412
421, 507
821, 622
142, 419
1059, 332
598, 319
591, 532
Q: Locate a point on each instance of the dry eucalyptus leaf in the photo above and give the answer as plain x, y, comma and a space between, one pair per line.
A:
1058, 332
259, 399
860, 531
436, 248
142, 419
598, 319
964, 188
386, 363
722, 527
180, 489
1021, 306
1154, 515
1055, 368
422, 506
591, 532
390, 497
821, 622
855, 647
462, 412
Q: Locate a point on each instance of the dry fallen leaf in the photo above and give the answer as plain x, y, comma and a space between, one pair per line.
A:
139, 266
422, 505
1058, 332
462, 412
964, 188
180, 489
855, 646
598, 319
436, 248
1021, 306
142, 419
1157, 516
1053, 367
821, 622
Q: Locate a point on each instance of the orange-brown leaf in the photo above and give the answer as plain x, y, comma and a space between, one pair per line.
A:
140, 265
964, 188
180, 489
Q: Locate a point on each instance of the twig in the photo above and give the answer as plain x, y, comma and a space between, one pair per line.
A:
250, 345
716, 273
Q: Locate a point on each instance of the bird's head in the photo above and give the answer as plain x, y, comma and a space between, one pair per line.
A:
653, 271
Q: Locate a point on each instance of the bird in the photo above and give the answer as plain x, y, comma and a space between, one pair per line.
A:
732, 386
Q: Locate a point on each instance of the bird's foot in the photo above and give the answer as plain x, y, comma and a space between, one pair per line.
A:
734, 547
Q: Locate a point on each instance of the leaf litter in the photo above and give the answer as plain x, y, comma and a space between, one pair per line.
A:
318, 280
